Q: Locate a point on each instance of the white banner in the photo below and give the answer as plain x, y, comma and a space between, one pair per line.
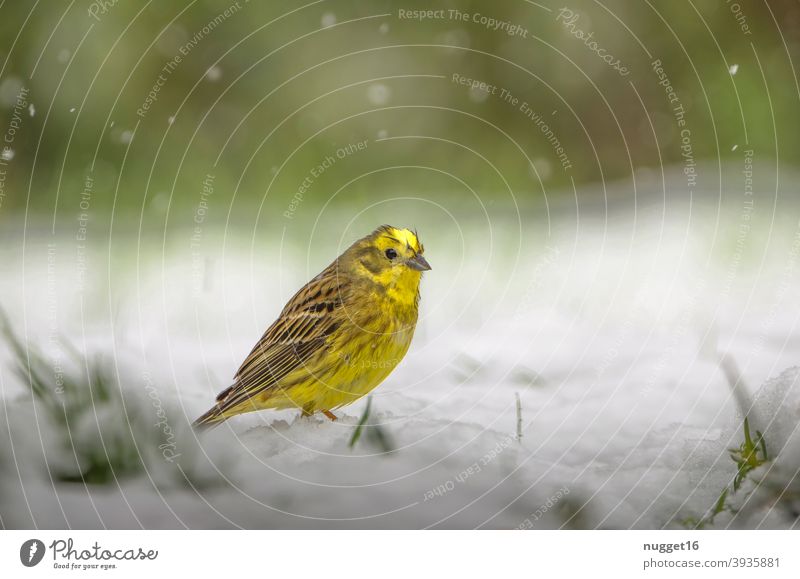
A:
381, 554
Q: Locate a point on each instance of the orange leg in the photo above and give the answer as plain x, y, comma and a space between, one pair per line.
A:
330, 415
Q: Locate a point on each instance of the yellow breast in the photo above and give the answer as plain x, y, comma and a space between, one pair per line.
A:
361, 354
369, 352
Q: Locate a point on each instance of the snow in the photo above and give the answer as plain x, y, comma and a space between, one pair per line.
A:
378, 94
610, 331
214, 73
328, 19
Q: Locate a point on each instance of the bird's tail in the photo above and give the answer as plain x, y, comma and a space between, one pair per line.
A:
210, 419
214, 416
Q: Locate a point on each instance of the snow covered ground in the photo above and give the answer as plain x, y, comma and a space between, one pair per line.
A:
608, 323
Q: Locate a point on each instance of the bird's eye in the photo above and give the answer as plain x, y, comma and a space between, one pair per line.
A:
391, 253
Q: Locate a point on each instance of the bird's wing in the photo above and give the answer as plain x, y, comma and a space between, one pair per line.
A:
301, 330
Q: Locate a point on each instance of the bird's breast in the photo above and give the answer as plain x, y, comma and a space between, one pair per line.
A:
377, 335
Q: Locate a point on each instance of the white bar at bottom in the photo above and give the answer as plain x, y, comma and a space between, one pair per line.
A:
387, 554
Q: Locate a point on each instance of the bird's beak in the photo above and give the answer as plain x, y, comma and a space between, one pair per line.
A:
419, 263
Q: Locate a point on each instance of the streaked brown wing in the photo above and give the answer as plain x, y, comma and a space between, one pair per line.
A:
301, 330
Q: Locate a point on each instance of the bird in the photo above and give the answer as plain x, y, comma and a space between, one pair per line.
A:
338, 337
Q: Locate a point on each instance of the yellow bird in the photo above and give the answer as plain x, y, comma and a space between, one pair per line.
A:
339, 337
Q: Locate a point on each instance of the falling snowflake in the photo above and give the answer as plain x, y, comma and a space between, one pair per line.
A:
734, 147
214, 73
541, 169
383, 133
7, 154
378, 94
478, 95
733, 69
126, 137
72, 110
171, 120
10, 89
328, 19
384, 28
63, 55
31, 110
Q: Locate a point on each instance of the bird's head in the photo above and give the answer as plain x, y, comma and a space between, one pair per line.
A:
390, 256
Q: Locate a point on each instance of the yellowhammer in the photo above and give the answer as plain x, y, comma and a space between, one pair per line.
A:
339, 337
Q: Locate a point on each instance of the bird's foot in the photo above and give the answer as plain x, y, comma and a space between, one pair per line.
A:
330, 415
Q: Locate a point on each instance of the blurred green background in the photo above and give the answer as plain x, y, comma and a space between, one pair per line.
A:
171, 173
258, 94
